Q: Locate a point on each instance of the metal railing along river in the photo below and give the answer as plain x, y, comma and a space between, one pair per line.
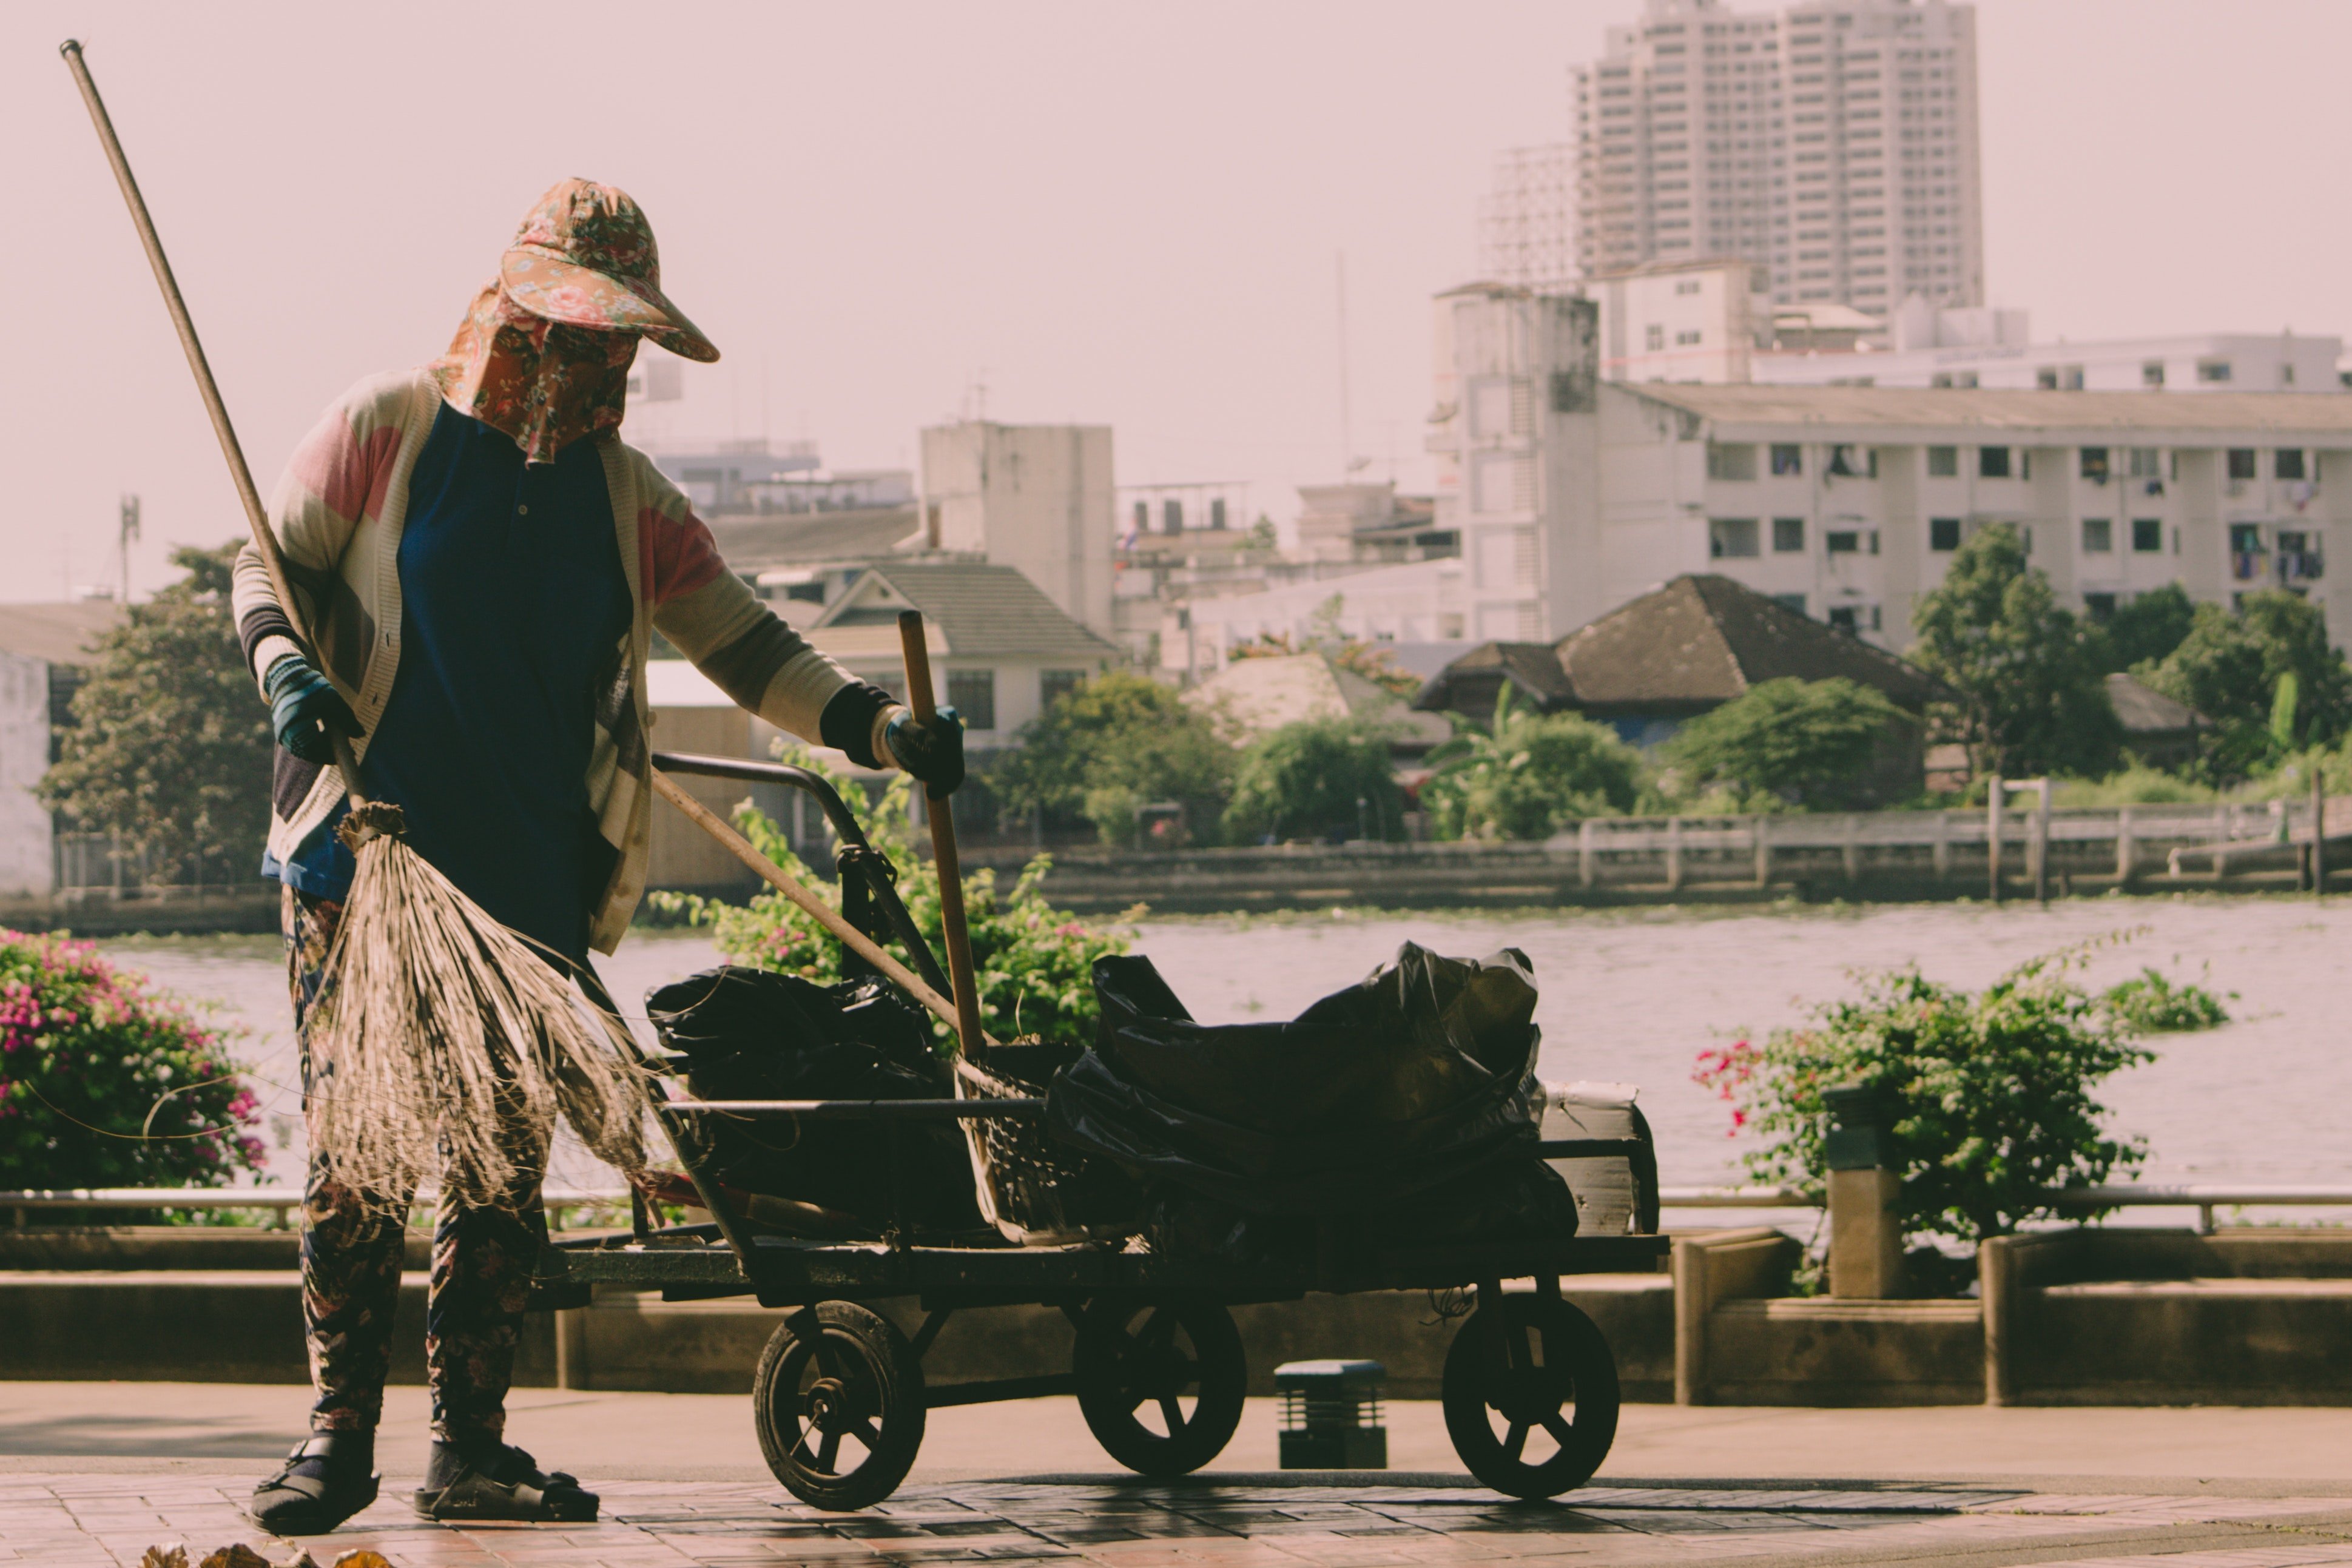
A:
2205, 1200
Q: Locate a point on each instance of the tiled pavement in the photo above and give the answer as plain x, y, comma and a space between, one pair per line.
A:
70, 1521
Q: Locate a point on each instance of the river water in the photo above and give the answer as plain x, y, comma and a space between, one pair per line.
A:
1632, 996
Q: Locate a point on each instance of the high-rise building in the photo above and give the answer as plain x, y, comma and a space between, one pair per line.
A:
1834, 142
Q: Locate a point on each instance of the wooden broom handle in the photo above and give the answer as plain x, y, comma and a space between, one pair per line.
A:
264, 539
944, 859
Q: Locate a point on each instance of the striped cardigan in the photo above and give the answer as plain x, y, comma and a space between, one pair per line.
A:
338, 512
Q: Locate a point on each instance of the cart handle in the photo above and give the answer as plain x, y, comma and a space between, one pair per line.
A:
857, 1110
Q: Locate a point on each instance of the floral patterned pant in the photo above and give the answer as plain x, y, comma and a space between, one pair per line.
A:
351, 1250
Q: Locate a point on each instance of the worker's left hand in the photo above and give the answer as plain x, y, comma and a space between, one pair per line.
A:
932, 752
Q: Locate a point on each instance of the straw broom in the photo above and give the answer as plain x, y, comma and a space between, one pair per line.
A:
441, 1041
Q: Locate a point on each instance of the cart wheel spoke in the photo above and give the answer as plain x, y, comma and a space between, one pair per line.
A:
828, 1453
1561, 1432
1172, 1413
865, 1433
1516, 1442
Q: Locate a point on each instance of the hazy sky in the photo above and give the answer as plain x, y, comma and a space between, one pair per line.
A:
1114, 213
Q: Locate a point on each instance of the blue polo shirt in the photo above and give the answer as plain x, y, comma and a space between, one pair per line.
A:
513, 608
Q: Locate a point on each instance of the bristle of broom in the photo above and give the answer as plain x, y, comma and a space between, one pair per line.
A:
438, 1032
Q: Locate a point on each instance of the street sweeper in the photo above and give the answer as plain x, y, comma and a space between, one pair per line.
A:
480, 562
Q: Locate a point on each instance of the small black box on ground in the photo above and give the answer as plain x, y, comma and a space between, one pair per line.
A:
1331, 1415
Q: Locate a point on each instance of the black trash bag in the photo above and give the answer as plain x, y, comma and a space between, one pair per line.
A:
1421, 1074
752, 1034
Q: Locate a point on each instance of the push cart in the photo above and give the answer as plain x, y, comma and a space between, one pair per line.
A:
839, 1397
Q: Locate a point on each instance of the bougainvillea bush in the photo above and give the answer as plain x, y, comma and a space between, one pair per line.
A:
1990, 1092
107, 1082
1033, 963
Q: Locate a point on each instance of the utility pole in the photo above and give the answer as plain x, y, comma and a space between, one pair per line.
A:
128, 531
1346, 415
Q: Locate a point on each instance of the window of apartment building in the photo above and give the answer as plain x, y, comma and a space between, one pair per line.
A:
1855, 618
2099, 606
1687, 339
1854, 461
1143, 517
2212, 369
2148, 536
1795, 602
2098, 536
1842, 541
2095, 464
2287, 462
1993, 461
2146, 462
1787, 535
1731, 538
1732, 462
1686, 286
1788, 459
2151, 373
2240, 462
2287, 374
1943, 461
1053, 685
973, 694
1654, 337
1216, 512
1172, 516
1943, 534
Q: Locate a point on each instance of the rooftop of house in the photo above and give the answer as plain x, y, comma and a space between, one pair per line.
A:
1965, 412
1696, 642
1265, 692
2145, 711
61, 634
975, 610
751, 542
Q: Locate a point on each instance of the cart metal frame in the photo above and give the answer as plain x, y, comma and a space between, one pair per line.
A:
837, 1368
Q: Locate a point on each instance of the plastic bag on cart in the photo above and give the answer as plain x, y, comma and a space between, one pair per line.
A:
753, 1034
1375, 1101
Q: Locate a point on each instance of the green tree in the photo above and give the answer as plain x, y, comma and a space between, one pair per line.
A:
2232, 668
2148, 628
1116, 743
1313, 780
2032, 695
171, 743
1527, 774
1809, 742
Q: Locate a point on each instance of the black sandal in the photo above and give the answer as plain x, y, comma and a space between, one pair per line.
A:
292, 1503
507, 1484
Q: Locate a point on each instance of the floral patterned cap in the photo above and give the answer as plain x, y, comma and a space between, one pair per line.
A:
585, 257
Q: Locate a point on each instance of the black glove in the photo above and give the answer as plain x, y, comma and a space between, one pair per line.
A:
932, 752
303, 708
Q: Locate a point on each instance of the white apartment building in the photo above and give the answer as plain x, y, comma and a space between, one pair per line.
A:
1848, 502
1694, 321
1834, 141
1035, 497
1513, 434
2201, 362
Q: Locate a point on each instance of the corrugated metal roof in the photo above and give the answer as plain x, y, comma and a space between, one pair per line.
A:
981, 610
800, 538
61, 634
2215, 416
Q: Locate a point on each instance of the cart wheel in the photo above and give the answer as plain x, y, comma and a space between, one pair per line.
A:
831, 1372
1540, 1369
1183, 1363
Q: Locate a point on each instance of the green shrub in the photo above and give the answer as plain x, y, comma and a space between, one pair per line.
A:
2151, 1004
1990, 1092
1116, 743
2136, 784
1033, 963
1314, 780
105, 1082
1810, 742
1527, 775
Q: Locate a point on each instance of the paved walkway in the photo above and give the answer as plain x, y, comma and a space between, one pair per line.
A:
94, 1474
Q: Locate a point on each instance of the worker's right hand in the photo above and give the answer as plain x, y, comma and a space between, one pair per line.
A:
304, 708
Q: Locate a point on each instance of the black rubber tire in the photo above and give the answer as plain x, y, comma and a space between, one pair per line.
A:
1128, 1353
860, 1381
1542, 1366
